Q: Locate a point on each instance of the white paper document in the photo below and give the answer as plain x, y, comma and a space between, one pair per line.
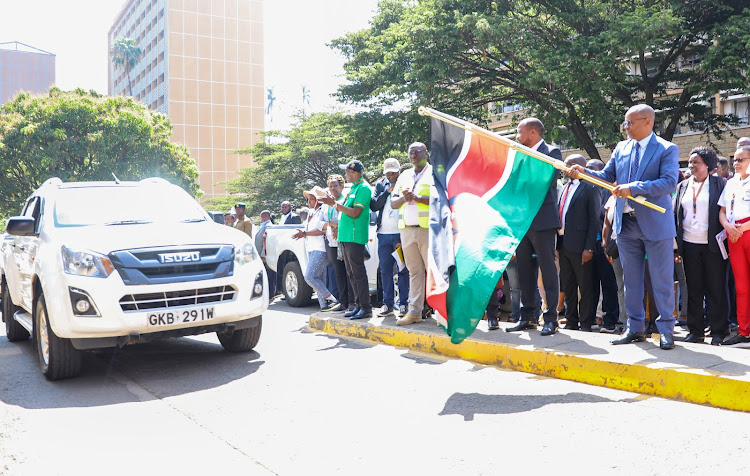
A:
720, 237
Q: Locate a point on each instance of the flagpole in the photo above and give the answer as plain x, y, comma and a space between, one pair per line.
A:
558, 164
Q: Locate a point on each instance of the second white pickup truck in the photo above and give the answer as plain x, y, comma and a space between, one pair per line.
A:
288, 256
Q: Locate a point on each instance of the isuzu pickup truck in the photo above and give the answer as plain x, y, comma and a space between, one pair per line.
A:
91, 265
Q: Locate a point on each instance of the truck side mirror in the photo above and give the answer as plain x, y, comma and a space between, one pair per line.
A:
21, 226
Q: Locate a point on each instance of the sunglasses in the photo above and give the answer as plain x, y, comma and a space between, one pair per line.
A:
630, 123
738, 161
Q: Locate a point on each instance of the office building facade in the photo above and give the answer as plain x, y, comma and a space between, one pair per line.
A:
202, 65
24, 68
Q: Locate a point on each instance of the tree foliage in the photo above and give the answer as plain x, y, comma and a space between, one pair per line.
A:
287, 163
81, 136
577, 64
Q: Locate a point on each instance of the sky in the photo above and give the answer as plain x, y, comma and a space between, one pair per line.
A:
295, 37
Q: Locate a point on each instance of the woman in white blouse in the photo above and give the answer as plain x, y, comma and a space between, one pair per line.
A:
697, 221
316, 248
735, 217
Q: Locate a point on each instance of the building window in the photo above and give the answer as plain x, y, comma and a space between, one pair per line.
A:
742, 110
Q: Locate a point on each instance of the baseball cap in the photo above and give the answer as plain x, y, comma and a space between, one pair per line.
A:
354, 166
391, 165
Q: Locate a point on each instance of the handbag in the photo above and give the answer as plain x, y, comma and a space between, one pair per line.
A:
611, 249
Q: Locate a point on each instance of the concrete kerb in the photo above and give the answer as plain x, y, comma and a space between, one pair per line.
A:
685, 384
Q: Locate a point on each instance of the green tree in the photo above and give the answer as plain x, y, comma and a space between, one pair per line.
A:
287, 163
577, 64
81, 136
125, 53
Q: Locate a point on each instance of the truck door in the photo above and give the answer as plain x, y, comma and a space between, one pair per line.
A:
24, 253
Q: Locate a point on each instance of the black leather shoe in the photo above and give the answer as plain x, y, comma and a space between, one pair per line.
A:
571, 327
352, 312
549, 328
666, 341
694, 338
629, 337
492, 323
585, 329
361, 314
521, 326
717, 340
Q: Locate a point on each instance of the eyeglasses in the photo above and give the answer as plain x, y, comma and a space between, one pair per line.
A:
737, 161
630, 123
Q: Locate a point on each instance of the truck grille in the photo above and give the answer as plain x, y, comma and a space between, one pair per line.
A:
144, 266
188, 297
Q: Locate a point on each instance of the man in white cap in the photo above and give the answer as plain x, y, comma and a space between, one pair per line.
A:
389, 239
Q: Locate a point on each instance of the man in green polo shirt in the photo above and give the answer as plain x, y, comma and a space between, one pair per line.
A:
354, 229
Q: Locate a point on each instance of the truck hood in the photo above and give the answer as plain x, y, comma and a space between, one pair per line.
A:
106, 239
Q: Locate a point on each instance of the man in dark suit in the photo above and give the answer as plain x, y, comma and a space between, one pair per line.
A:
537, 248
604, 274
644, 165
287, 216
579, 209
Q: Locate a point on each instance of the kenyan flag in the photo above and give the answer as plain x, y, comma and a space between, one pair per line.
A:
486, 195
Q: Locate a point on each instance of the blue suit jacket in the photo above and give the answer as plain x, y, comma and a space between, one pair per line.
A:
655, 180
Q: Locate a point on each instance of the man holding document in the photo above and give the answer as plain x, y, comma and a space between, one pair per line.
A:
389, 241
411, 197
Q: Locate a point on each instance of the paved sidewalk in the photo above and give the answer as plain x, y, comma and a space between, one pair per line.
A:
697, 373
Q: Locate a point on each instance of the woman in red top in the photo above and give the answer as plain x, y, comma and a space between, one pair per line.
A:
735, 218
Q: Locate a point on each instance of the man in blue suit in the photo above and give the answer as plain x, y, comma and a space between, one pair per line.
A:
645, 165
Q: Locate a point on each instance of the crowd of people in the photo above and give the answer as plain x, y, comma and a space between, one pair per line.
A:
689, 264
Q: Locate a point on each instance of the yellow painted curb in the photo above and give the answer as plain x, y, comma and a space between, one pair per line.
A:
679, 384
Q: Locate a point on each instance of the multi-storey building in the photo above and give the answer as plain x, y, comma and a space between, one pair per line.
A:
24, 68
202, 65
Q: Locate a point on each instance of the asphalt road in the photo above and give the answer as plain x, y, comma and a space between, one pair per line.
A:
308, 404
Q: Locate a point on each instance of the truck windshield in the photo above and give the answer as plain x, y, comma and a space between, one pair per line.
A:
124, 205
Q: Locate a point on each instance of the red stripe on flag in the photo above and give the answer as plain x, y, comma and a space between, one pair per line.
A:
481, 169
436, 290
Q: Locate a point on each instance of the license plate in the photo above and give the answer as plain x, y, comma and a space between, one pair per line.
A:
181, 316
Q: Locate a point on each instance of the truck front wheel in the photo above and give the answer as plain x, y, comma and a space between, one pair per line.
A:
57, 356
296, 290
240, 340
13, 330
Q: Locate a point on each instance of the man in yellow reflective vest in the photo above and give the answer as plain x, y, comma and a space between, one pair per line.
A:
411, 197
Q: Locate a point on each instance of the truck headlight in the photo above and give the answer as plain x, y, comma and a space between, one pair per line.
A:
245, 254
86, 263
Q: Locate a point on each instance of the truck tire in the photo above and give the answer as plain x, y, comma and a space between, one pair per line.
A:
241, 340
13, 330
296, 290
57, 356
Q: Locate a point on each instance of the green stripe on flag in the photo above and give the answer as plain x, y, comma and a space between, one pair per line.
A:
490, 231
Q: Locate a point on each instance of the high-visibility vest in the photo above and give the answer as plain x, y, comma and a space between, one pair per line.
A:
423, 211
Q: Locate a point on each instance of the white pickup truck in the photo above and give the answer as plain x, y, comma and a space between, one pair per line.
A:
103, 264
288, 256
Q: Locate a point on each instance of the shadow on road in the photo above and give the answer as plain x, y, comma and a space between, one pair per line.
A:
135, 373
346, 343
470, 404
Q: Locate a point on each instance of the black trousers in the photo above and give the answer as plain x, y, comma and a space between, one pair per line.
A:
705, 273
537, 251
604, 277
354, 259
346, 295
575, 276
